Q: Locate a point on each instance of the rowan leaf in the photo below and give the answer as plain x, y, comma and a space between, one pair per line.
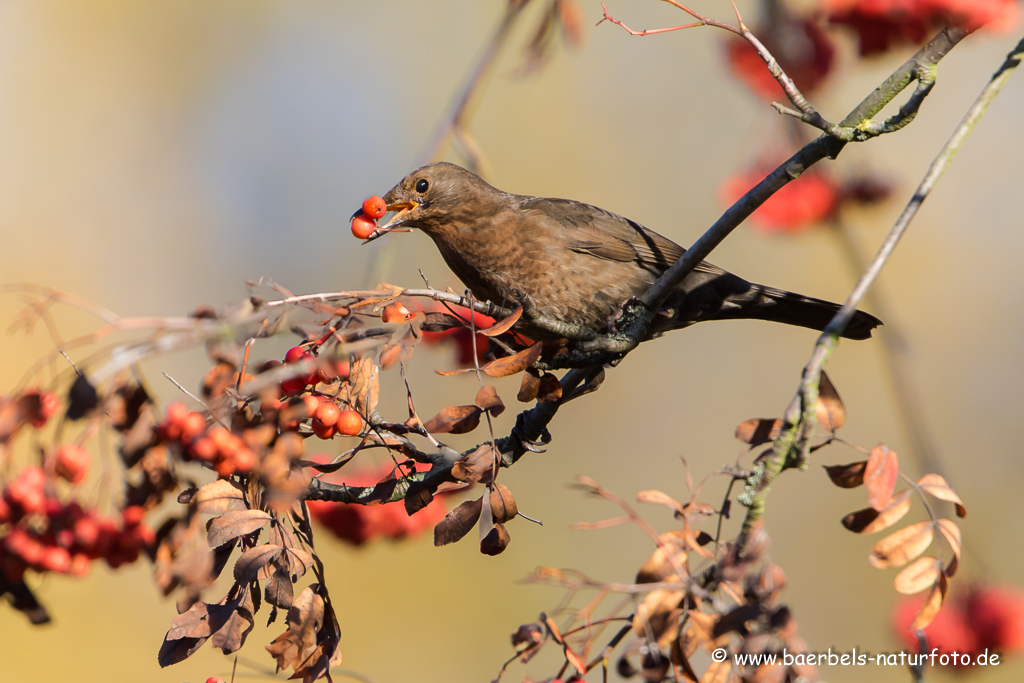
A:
457, 523
870, 520
231, 525
931, 605
758, 430
219, 497
880, 476
249, 564
504, 325
902, 546
847, 476
936, 486
454, 420
920, 574
830, 408
487, 399
516, 363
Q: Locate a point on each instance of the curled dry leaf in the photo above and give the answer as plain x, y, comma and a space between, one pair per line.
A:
364, 379
218, 497
658, 615
830, 408
503, 326
231, 525
847, 476
503, 505
667, 559
758, 430
511, 365
457, 523
870, 520
454, 420
550, 390
496, 540
935, 485
951, 532
487, 399
476, 466
249, 564
530, 386
920, 574
931, 605
880, 476
902, 546
305, 617
656, 497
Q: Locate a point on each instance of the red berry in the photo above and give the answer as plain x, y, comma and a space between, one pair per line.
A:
204, 449
79, 565
225, 468
176, 412
375, 207
55, 559
363, 227
132, 516
296, 353
396, 313
86, 532
327, 414
244, 459
6, 514
73, 462
214, 679
192, 426
349, 423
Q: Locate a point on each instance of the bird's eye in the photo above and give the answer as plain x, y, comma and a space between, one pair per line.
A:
422, 185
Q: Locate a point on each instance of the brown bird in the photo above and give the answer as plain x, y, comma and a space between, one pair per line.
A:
572, 265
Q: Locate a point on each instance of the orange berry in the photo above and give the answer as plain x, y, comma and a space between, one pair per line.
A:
192, 426
244, 459
73, 462
176, 412
363, 227
327, 414
349, 423
132, 516
375, 207
396, 313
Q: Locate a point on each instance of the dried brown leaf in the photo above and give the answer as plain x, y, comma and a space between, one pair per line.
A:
476, 466
880, 476
279, 591
902, 546
870, 520
656, 497
219, 497
830, 408
717, 672
364, 379
931, 605
458, 522
920, 574
496, 540
758, 430
847, 476
297, 643
510, 365
488, 400
935, 485
503, 505
253, 560
231, 525
951, 532
454, 420
503, 326
231, 636
655, 612
530, 386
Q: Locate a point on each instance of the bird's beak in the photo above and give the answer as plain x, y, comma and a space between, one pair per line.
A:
403, 209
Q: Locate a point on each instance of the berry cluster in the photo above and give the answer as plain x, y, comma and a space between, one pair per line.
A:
47, 535
216, 445
364, 223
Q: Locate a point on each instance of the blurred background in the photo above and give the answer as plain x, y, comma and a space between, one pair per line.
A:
159, 154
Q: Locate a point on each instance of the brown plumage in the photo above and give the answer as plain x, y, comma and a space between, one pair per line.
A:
575, 264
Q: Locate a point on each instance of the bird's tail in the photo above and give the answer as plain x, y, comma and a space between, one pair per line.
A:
777, 305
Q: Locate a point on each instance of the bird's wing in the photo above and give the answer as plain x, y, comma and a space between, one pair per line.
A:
594, 231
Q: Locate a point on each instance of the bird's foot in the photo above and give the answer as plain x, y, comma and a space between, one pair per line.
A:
625, 334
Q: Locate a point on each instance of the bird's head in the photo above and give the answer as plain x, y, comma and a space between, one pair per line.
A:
437, 198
